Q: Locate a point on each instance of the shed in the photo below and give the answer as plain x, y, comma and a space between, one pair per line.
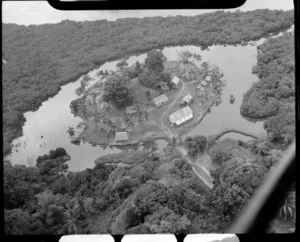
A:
160, 100
130, 110
121, 137
175, 81
208, 78
181, 116
187, 98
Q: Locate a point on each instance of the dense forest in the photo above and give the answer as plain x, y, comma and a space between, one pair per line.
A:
273, 96
132, 192
39, 59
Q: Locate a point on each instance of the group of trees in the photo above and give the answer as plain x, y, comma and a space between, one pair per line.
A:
39, 59
116, 92
195, 144
273, 96
187, 56
45, 199
53, 201
239, 173
49, 199
153, 74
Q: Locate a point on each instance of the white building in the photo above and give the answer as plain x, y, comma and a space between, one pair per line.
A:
175, 81
181, 116
121, 137
160, 100
187, 99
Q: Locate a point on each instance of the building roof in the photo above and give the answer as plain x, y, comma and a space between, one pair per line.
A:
208, 78
181, 115
130, 110
175, 80
187, 98
160, 99
121, 136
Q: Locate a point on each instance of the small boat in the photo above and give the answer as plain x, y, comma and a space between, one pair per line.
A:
75, 141
232, 98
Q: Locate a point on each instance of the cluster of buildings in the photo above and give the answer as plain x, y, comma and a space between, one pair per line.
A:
186, 113
182, 115
177, 118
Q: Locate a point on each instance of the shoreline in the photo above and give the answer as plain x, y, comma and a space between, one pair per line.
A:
73, 78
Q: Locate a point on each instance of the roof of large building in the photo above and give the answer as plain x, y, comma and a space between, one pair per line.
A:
160, 99
121, 136
175, 80
181, 115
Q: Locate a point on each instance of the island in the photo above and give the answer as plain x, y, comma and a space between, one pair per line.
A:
197, 183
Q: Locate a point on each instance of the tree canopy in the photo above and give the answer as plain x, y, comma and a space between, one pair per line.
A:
116, 92
196, 144
273, 96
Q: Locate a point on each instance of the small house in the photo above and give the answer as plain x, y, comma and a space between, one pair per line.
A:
175, 81
181, 116
130, 110
121, 137
160, 100
187, 99
208, 78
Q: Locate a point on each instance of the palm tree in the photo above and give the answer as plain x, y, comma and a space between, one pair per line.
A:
72, 213
287, 209
50, 210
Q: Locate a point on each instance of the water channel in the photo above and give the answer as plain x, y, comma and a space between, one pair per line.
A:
46, 128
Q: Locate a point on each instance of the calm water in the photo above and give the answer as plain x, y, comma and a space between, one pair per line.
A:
46, 128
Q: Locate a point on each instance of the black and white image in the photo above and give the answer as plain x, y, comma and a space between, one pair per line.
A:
144, 121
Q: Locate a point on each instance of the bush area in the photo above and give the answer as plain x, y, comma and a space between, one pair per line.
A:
273, 96
47, 199
42, 58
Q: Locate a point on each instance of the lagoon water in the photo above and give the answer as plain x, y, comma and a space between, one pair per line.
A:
46, 128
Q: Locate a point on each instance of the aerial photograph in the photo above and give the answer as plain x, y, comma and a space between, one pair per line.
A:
144, 121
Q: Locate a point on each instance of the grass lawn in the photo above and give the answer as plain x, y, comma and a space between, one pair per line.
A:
139, 93
94, 135
145, 130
